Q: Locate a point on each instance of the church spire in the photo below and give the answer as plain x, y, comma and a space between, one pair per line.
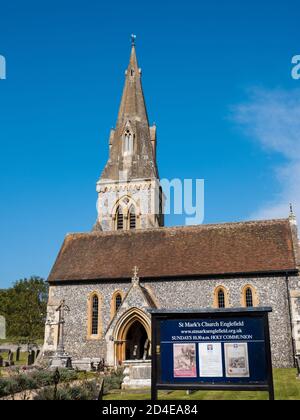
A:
133, 103
133, 142
129, 191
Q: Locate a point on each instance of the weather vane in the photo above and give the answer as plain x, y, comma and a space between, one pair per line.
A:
133, 38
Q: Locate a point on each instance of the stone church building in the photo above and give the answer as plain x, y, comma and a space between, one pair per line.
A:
224, 265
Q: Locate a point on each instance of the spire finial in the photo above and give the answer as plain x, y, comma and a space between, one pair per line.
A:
292, 216
133, 38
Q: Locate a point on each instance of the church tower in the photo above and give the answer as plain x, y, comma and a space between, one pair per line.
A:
129, 192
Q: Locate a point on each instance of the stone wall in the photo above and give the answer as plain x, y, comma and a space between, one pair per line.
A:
143, 194
295, 309
188, 294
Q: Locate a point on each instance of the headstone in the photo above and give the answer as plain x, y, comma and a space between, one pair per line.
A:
30, 361
18, 354
101, 366
69, 363
2, 328
137, 374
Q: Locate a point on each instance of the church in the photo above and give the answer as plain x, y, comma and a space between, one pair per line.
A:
130, 262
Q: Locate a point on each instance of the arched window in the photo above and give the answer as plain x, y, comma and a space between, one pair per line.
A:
95, 315
128, 143
118, 301
132, 218
249, 298
119, 219
221, 299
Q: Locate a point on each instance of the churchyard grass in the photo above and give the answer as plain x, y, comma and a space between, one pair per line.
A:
18, 340
287, 387
21, 362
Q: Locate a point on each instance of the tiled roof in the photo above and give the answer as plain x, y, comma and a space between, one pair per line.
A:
206, 250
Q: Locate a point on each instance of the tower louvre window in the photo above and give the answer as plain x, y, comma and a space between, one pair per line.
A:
132, 218
120, 219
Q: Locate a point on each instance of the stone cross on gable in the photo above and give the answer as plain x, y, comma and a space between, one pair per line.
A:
135, 278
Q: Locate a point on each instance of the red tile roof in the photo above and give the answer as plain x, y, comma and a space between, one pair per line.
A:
207, 250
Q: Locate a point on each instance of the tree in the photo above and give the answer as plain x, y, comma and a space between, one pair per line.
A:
24, 307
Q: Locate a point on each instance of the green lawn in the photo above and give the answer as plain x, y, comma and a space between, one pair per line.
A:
22, 362
18, 340
287, 387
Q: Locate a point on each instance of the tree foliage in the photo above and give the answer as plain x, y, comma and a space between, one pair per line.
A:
25, 306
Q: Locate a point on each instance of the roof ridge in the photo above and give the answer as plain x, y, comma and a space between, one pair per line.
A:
180, 228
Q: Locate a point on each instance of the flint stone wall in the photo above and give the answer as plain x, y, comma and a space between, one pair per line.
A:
178, 294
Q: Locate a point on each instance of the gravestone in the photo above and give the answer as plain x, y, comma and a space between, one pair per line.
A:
30, 360
2, 328
137, 374
18, 354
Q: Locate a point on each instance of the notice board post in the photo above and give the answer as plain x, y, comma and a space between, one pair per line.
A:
217, 350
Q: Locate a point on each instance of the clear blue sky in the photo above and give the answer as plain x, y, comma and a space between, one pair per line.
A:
65, 74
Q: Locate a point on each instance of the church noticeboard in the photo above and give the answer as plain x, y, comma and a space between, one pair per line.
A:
213, 349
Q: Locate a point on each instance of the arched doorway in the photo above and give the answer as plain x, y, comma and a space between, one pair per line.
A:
132, 337
136, 342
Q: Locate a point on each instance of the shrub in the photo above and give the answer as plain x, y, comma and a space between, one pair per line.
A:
47, 394
85, 392
113, 381
33, 380
42, 378
11, 387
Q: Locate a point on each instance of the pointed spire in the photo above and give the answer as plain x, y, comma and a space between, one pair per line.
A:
133, 105
133, 142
